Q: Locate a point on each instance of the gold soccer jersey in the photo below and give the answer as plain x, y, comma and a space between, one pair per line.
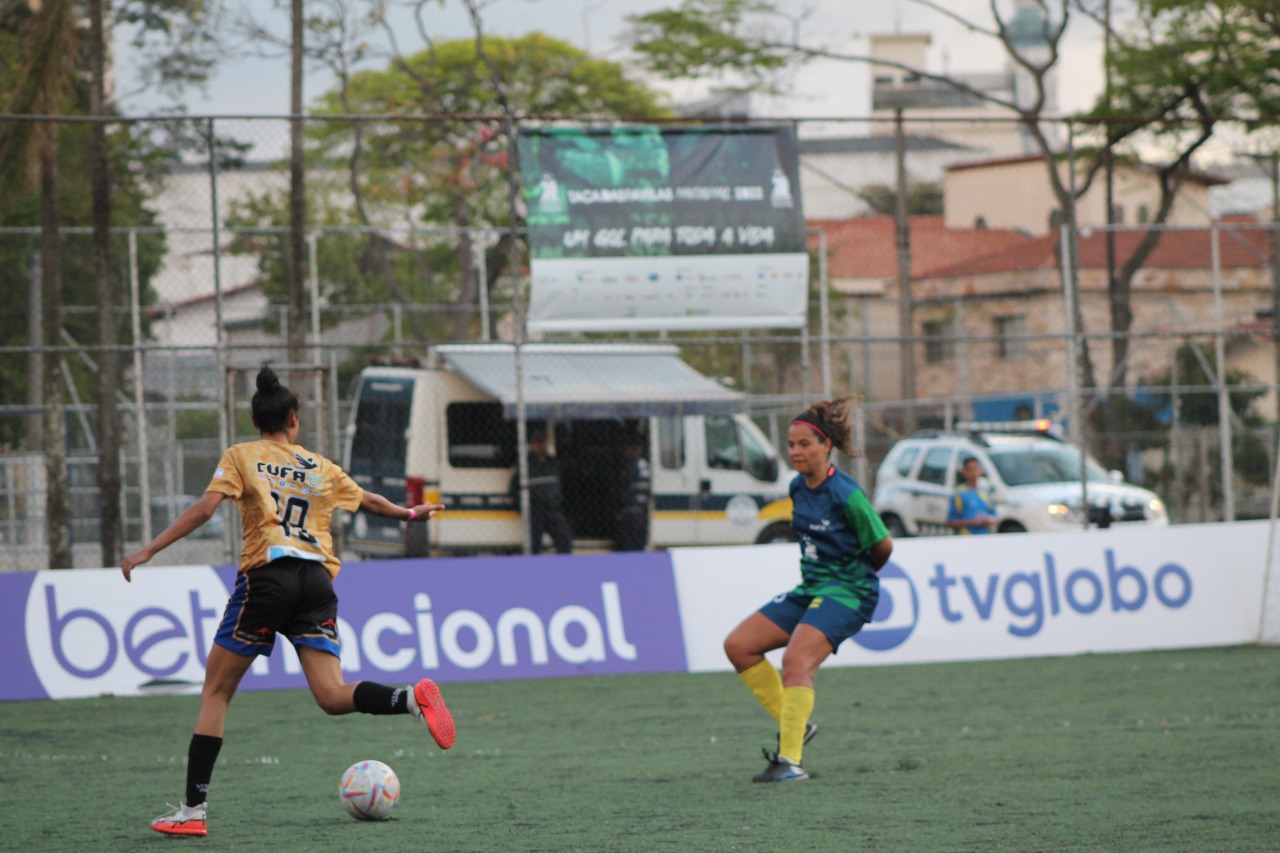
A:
286, 496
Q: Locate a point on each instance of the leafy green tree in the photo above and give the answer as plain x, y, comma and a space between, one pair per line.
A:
49, 68
444, 165
1177, 69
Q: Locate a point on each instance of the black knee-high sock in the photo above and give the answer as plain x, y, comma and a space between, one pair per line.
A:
201, 755
373, 698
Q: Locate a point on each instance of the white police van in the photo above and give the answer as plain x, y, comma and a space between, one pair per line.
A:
1031, 474
446, 432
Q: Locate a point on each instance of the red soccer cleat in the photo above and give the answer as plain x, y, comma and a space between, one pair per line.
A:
428, 706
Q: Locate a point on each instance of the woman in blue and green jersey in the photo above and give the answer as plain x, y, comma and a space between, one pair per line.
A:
843, 543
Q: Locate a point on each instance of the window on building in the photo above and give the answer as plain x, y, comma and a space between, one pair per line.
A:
938, 344
1010, 340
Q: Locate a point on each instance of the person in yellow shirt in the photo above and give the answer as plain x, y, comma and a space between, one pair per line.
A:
286, 496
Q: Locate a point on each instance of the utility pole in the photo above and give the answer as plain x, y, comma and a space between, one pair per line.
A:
297, 196
902, 239
1275, 270
1272, 164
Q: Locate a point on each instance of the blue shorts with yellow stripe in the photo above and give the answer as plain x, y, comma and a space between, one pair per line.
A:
836, 619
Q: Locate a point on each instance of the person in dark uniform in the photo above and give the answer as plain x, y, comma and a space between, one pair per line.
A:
546, 501
286, 496
633, 499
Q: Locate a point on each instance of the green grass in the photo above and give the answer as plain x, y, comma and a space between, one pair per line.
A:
1162, 751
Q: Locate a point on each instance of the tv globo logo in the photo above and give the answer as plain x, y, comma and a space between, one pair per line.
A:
1021, 598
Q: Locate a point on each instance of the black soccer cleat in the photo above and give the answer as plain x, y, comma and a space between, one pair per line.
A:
780, 769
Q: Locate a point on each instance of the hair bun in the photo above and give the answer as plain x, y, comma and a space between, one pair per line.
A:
268, 382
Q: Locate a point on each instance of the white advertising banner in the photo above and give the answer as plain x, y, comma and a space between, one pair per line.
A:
985, 597
678, 293
641, 227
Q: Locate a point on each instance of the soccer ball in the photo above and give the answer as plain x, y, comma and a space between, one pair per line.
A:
369, 790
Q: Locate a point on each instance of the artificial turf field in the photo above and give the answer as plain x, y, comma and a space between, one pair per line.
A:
1159, 751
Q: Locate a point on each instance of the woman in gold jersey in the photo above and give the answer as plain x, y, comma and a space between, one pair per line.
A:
286, 496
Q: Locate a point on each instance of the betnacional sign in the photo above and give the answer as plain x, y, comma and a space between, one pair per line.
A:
87, 632
650, 228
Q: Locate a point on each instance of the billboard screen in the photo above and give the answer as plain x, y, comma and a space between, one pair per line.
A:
649, 228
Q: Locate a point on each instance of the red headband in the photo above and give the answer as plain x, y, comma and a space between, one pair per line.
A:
811, 425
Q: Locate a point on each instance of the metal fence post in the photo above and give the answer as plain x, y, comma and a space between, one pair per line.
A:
1220, 380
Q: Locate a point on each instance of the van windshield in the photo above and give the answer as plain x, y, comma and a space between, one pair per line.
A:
1026, 466
382, 419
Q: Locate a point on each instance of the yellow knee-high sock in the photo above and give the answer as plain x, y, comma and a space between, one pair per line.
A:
797, 707
766, 684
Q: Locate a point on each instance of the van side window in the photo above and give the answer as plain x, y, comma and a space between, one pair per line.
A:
723, 451
671, 442
479, 436
756, 460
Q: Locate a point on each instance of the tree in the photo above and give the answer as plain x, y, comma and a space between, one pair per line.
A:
45, 74
923, 199
43, 82
1177, 69
110, 528
445, 164
1175, 64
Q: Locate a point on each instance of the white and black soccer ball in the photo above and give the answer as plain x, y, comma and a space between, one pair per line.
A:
369, 790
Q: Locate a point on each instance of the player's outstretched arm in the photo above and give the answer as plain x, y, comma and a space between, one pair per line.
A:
378, 505
191, 518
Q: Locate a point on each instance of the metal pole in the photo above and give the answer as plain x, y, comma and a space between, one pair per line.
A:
518, 316
220, 349
1224, 401
36, 356
962, 354
482, 284
397, 329
1275, 273
1074, 431
1072, 280
860, 464
1175, 435
824, 314
806, 364
313, 281
337, 449
139, 390
902, 238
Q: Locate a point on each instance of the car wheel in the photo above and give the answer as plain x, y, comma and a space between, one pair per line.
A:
778, 532
1012, 527
896, 528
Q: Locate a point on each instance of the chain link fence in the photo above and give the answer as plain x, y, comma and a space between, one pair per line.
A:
1161, 357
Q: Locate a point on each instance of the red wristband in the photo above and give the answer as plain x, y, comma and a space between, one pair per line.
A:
412, 514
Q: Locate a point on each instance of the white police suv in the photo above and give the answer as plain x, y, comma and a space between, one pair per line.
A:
1032, 476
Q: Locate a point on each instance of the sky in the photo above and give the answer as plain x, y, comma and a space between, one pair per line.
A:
259, 86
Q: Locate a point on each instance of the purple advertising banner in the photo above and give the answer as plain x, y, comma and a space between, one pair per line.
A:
85, 633
17, 676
